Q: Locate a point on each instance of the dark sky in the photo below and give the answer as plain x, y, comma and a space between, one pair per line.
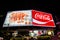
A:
45, 6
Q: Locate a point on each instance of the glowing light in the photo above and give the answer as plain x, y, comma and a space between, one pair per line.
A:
49, 33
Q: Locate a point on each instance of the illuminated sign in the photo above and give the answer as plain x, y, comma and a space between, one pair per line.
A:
18, 18
29, 18
34, 33
42, 19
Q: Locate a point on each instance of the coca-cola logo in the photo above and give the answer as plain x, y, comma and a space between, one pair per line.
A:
42, 17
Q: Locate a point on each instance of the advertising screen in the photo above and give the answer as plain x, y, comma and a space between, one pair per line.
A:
29, 18
42, 19
18, 18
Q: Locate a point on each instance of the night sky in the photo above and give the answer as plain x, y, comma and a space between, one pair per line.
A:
45, 6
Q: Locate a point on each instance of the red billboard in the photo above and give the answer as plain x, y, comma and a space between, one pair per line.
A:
42, 19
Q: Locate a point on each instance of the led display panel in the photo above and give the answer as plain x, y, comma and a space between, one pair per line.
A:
42, 19
18, 18
29, 18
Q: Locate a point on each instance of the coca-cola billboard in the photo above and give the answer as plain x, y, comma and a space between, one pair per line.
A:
42, 19
28, 18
